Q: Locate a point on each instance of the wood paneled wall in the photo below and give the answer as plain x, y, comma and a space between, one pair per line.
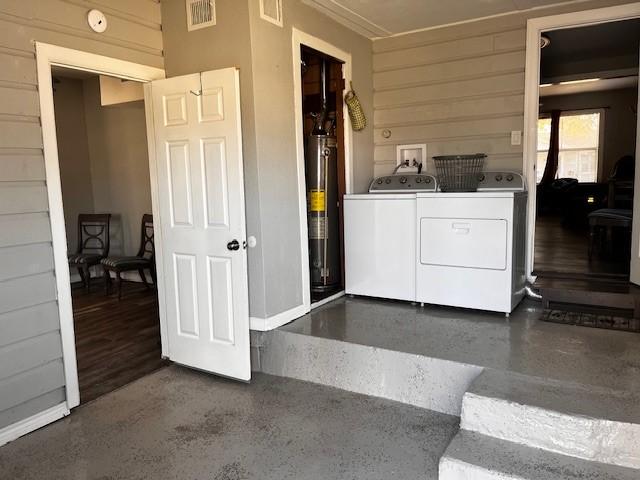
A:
459, 89
31, 371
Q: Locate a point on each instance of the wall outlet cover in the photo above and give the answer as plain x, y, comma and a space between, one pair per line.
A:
417, 151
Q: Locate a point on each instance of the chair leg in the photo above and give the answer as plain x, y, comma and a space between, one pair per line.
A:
119, 283
107, 280
81, 273
87, 274
143, 277
152, 271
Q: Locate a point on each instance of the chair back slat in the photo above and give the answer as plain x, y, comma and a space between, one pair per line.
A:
147, 246
93, 233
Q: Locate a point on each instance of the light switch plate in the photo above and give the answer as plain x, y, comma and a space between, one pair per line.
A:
516, 137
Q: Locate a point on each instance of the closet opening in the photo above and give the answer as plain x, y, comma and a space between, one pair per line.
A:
324, 150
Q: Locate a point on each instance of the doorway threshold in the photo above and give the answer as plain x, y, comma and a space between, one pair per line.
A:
589, 295
582, 276
328, 299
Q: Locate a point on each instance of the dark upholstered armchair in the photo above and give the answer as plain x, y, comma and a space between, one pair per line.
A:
145, 259
93, 244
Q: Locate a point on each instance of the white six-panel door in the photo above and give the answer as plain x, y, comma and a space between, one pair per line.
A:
201, 205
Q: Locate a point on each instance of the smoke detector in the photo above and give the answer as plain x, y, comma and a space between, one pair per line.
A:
200, 14
97, 21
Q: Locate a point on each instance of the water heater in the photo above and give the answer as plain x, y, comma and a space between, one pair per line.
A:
322, 207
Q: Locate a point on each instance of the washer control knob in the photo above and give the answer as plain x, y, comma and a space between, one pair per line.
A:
481, 177
498, 178
427, 180
418, 179
379, 181
403, 179
388, 181
509, 178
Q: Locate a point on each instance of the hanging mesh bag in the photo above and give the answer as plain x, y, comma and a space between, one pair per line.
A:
356, 114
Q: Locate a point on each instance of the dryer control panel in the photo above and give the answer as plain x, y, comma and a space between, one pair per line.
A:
403, 183
494, 181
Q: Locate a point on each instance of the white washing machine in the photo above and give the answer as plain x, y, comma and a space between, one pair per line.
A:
471, 246
380, 237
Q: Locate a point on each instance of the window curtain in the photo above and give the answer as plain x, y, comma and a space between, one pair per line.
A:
551, 167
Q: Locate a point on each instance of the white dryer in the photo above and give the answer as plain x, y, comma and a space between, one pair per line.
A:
471, 246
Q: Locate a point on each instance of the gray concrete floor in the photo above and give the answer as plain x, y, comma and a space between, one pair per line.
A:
522, 343
181, 424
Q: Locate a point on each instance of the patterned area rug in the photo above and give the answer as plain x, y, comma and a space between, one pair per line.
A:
593, 320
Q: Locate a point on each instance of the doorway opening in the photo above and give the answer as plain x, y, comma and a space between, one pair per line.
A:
106, 195
324, 152
581, 124
586, 151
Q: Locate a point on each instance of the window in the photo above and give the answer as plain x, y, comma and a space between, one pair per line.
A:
579, 145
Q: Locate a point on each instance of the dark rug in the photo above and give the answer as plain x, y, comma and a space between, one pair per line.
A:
594, 320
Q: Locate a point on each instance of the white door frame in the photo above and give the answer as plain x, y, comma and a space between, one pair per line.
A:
299, 39
46, 56
535, 27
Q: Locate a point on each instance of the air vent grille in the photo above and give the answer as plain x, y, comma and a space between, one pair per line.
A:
200, 14
271, 11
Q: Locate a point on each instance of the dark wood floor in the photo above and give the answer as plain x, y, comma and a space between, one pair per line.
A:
562, 249
117, 342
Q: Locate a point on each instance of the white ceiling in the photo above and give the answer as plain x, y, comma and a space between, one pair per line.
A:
382, 18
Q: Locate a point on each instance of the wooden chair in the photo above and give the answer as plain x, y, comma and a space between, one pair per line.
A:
93, 244
144, 259
621, 183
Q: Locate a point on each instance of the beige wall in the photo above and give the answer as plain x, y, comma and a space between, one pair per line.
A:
263, 52
117, 139
29, 325
619, 120
276, 145
229, 45
73, 154
460, 89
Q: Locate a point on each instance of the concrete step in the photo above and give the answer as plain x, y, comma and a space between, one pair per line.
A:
414, 379
473, 456
591, 423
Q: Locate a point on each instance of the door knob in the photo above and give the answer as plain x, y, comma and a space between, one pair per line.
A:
233, 245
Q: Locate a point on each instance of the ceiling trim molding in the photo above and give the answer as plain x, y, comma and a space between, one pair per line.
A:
349, 18
479, 19
373, 31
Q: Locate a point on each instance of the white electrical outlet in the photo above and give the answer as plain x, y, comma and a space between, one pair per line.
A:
516, 137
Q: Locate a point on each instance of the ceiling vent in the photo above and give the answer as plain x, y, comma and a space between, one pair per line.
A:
200, 14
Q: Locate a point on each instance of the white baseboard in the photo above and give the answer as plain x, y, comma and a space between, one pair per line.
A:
270, 323
324, 301
39, 420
